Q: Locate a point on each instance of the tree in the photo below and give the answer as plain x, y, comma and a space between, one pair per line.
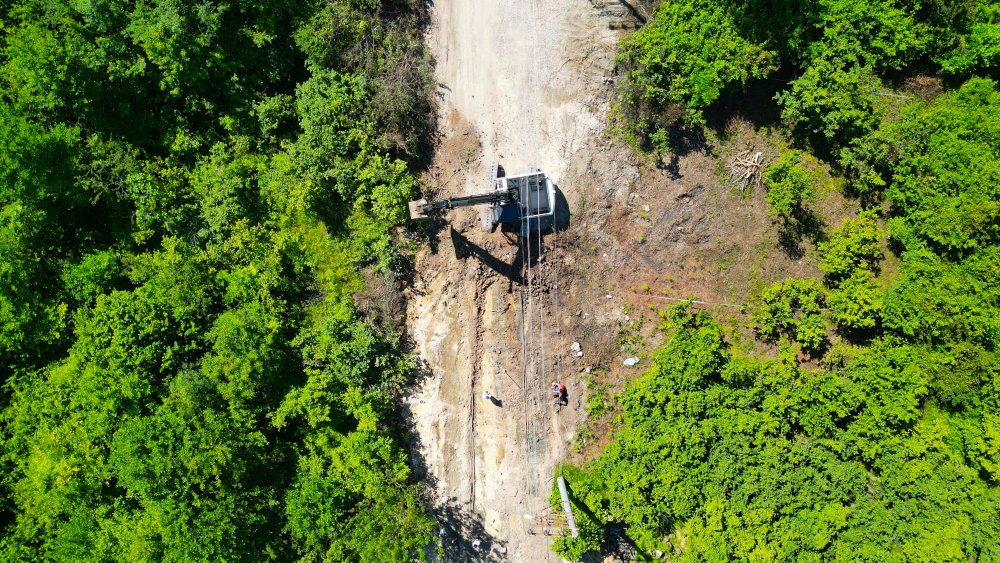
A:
351, 502
945, 176
857, 302
337, 152
96, 273
743, 458
181, 238
690, 54
880, 35
976, 49
360, 38
831, 103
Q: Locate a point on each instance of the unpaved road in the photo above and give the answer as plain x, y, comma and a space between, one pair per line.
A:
519, 71
520, 82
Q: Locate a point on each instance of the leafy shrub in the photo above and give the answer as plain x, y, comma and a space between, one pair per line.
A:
727, 457
789, 185
857, 243
857, 303
793, 308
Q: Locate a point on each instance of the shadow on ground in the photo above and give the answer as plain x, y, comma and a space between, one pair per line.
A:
465, 248
462, 529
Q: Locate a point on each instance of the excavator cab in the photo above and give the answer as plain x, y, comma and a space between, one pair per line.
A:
532, 211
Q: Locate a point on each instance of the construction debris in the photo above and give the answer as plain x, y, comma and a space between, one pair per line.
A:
577, 349
745, 171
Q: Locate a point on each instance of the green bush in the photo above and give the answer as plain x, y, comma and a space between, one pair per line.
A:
857, 243
789, 185
857, 303
793, 308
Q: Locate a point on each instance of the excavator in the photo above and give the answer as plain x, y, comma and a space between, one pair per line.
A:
524, 203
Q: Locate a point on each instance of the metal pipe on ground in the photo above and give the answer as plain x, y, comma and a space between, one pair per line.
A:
567, 507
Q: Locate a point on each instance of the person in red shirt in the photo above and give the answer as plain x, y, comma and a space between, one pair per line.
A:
559, 393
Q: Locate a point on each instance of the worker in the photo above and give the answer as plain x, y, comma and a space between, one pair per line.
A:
487, 396
559, 393
476, 544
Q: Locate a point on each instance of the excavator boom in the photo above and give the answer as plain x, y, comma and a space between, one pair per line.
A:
464, 201
421, 208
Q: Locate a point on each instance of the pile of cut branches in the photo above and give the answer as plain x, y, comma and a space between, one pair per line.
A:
745, 171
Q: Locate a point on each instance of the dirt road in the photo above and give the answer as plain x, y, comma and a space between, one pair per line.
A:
523, 83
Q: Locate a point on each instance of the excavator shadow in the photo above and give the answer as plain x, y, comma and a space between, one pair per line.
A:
532, 246
464, 248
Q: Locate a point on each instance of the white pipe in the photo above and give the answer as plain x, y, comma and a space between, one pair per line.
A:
567, 508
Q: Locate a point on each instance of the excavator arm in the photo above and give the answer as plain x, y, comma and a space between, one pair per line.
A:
422, 208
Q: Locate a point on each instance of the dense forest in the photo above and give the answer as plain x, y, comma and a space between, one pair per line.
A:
871, 430
199, 343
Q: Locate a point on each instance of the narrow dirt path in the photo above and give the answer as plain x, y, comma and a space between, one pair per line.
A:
520, 82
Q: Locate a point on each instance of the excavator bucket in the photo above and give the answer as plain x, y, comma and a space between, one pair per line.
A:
416, 209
